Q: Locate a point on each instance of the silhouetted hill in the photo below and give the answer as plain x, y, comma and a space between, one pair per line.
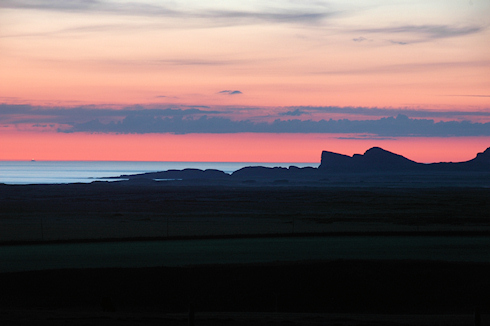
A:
379, 160
374, 160
480, 162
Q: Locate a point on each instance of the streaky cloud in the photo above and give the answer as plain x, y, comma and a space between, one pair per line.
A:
304, 15
398, 42
58, 5
406, 67
230, 92
426, 32
132, 8
277, 16
359, 39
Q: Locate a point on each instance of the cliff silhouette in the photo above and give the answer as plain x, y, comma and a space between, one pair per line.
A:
379, 160
375, 160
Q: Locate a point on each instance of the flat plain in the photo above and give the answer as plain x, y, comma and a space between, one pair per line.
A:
342, 292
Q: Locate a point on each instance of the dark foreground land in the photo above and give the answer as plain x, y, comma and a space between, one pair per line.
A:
302, 293
339, 292
181, 209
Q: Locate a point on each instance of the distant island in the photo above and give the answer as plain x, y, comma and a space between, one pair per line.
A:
375, 161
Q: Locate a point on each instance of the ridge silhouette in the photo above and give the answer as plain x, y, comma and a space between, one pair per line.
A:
377, 159
374, 160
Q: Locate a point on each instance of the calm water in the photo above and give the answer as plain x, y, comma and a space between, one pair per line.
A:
26, 172
212, 251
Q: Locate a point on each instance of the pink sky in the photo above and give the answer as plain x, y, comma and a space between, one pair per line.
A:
421, 56
247, 147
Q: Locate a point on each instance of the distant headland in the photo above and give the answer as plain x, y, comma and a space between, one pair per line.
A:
377, 159
374, 161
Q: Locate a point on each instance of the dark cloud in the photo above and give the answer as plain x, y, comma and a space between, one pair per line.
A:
230, 92
400, 126
294, 113
27, 113
177, 125
199, 107
90, 112
385, 122
384, 112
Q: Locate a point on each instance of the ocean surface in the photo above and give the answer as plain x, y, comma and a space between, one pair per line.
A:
49, 172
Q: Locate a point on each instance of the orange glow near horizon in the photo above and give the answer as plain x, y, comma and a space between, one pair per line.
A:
247, 147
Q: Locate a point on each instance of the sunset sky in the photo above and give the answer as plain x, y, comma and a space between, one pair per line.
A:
256, 81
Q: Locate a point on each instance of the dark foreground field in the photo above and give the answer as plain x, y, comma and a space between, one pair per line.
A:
292, 293
338, 292
129, 210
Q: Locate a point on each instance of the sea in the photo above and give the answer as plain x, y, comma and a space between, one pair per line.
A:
60, 172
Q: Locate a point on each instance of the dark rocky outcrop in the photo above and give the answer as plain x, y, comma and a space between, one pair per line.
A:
373, 160
379, 160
